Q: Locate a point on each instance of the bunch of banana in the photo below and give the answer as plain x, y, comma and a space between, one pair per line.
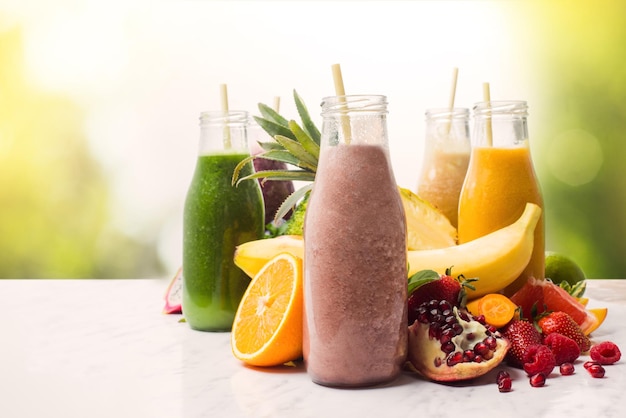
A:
496, 259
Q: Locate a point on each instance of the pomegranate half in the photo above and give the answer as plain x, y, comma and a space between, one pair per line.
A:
447, 344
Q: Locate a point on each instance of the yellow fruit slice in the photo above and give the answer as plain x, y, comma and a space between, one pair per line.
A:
267, 329
498, 309
584, 301
253, 255
600, 314
427, 227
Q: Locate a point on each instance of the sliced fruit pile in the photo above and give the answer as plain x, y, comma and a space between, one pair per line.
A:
556, 334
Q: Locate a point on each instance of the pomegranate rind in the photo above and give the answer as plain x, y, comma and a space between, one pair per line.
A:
423, 350
173, 295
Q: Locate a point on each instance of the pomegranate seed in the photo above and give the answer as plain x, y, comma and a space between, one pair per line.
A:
481, 348
505, 384
470, 336
468, 356
454, 359
502, 374
537, 380
478, 359
491, 342
448, 347
566, 369
437, 361
481, 318
596, 370
589, 364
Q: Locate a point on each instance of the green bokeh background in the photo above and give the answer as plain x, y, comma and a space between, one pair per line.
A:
578, 128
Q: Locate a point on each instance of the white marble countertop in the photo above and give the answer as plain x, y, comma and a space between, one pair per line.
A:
103, 349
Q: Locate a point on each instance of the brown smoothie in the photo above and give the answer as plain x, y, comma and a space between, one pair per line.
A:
355, 280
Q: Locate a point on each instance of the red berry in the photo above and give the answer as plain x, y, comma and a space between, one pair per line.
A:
502, 374
565, 349
566, 369
596, 370
538, 359
605, 353
521, 334
537, 380
564, 324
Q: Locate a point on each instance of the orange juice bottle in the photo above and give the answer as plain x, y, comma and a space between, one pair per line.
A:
501, 179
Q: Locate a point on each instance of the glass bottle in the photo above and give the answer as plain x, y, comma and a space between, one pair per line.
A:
501, 179
355, 277
446, 158
217, 217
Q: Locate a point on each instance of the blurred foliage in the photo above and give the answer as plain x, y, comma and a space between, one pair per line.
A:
53, 196
582, 141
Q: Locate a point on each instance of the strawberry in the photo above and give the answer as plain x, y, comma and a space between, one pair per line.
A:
521, 334
445, 288
562, 323
565, 349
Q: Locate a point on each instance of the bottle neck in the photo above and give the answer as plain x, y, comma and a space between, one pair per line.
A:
223, 132
501, 124
354, 120
448, 127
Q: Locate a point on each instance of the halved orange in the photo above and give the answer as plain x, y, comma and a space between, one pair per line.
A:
267, 329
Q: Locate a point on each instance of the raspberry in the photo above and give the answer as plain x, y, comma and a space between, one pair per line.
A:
565, 349
538, 358
605, 353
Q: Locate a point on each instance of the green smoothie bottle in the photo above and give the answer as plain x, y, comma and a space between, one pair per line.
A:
217, 217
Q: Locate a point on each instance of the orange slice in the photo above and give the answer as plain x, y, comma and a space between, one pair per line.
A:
267, 329
600, 314
497, 309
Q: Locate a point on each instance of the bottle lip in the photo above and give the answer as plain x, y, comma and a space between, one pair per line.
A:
447, 113
224, 118
501, 107
353, 103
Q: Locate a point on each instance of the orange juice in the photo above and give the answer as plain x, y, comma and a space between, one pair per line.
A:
500, 181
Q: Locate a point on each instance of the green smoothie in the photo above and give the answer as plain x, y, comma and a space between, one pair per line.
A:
217, 218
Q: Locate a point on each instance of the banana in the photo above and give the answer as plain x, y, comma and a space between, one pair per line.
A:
253, 255
496, 259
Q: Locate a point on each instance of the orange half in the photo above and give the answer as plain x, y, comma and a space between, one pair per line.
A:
267, 329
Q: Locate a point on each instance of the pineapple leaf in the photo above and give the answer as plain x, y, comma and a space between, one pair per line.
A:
272, 115
305, 140
309, 126
291, 201
270, 145
238, 168
280, 175
298, 151
281, 155
273, 129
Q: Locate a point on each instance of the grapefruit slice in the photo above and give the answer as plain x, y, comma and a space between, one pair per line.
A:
551, 297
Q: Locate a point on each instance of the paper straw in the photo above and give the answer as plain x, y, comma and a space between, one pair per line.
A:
277, 104
341, 93
224, 97
488, 127
455, 75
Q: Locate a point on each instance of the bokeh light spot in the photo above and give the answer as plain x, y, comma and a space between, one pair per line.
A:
575, 157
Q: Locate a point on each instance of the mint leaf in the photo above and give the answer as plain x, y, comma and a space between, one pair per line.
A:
421, 278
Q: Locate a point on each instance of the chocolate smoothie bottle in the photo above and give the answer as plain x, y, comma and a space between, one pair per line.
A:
355, 268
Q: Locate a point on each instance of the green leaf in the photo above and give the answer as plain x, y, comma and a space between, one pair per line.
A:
274, 129
309, 126
291, 201
281, 155
298, 151
272, 115
421, 278
278, 175
270, 145
305, 140
234, 180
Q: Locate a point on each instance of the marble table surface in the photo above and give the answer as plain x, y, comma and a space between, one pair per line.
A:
86, 348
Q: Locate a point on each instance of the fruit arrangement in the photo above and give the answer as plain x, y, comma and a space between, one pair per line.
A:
459, 326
